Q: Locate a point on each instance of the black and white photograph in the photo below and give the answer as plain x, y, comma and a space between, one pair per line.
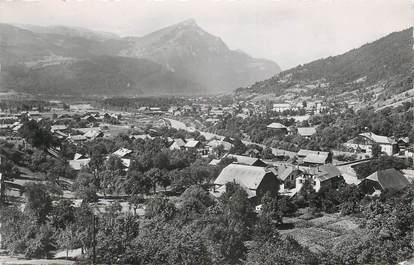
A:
206, 132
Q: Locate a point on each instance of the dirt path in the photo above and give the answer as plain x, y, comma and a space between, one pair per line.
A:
7, 260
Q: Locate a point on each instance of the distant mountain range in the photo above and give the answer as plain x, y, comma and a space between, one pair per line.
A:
374, 73
182, 59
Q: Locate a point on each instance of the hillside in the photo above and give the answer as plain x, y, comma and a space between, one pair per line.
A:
70, 32
375, 71
188, 60
20, 46
97, 76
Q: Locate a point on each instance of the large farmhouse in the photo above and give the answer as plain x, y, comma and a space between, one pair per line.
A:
364, 142
324, 176
256, 181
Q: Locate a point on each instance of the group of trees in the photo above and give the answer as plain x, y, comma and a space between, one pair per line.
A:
198, 229
152, 165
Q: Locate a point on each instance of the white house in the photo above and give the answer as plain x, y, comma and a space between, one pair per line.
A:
364, 142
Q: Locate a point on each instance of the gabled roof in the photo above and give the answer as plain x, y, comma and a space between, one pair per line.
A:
141, 136
379, 139
405, 140
60, 134
276, 125
245, 160
191, 144
78, 137
179, 142
85, 130
326, 172
284, 172
306, 131
214, 162
249, 177
58, 127
214, 143
304, 152
122, 152
316, 159
126, 162
78, 164
92, 134
281, 105
389, 179
78, 156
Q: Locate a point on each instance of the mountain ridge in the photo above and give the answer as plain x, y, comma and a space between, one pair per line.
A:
206, 56
179, 49
385, 65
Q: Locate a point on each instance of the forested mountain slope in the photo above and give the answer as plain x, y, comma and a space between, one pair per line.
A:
375, 71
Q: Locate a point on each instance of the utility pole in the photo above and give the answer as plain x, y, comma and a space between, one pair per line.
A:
2, 185
93, 239
2, 188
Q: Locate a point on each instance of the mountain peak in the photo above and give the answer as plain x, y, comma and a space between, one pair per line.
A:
188, 22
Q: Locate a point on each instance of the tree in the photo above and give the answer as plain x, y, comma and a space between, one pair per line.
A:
135, 201
40, 242
62, 214
156, 176
194, 201
85, 186
13, 229
387, 232
115, 233
161, 160
267, 153
239, 147
36, 135
165, 243
271, 208
137, 183
67, 238
160, 206
376, 150
39, 202
229, 224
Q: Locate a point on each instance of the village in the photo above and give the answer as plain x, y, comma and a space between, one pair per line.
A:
105, 157
81, 122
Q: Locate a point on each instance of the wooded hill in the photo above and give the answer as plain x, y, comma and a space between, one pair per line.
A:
386, 63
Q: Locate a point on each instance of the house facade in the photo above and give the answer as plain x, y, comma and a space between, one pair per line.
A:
364, 141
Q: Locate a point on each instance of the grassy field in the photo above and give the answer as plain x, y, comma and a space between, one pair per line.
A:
320, 233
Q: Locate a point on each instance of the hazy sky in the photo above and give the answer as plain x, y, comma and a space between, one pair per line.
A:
290, 32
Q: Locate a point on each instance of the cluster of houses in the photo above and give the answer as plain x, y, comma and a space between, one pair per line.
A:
281, 129
81, 160
257, 177
308, 107
212, 147
362, 143
253, 174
